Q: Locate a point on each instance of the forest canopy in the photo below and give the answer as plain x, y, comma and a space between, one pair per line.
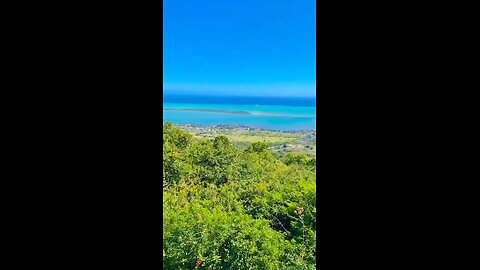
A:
226, 207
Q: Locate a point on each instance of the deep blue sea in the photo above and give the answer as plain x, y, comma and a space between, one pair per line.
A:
275, 113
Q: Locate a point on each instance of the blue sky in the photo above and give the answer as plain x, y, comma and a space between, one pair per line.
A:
239, 47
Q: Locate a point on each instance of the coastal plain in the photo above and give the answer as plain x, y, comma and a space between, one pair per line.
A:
303, 141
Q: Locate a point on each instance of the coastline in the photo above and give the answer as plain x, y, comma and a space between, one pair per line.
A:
238, 112
240, 127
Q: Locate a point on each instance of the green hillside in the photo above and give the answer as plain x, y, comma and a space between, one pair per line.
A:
226, 207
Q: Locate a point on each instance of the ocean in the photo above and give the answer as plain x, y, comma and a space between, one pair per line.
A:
274, 113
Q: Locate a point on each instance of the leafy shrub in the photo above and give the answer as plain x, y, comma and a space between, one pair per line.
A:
225, 208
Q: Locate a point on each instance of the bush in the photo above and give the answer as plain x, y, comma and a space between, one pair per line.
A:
231, 209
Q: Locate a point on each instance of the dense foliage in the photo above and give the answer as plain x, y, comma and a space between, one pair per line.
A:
231, 208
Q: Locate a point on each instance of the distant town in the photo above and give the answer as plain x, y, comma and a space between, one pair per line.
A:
280, 141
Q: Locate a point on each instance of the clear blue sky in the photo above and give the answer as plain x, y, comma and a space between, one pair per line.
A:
239, 47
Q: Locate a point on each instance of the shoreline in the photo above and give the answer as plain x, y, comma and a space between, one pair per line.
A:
239, 112
239, 126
